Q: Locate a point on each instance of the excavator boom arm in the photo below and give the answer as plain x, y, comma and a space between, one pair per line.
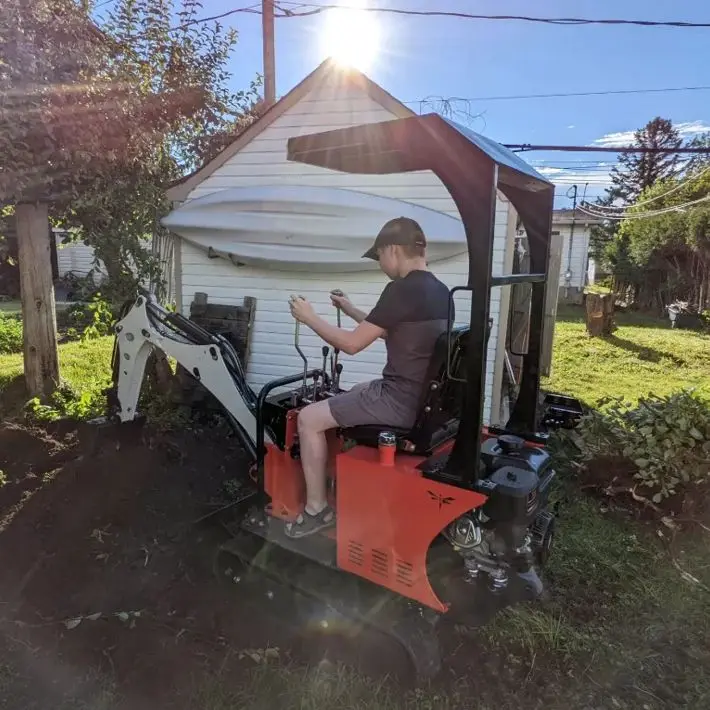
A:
209, 358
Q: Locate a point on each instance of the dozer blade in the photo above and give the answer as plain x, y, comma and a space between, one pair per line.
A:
306, 570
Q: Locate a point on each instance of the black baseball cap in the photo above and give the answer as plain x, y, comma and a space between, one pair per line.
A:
403, 231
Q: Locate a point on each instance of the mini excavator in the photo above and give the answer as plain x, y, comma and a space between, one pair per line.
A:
450, 519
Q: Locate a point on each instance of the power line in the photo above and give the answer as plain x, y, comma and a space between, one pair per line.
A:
250, 9
318, 9
675, 188
643, 215
518, 97
524, 147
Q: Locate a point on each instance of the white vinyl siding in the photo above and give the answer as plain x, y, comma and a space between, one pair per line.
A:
577, 261
263, 162
76, 257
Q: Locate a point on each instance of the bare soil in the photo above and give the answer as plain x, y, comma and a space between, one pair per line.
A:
102, 526
104, 522
612, 477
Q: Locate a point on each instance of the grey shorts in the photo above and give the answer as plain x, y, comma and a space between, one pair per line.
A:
370, 403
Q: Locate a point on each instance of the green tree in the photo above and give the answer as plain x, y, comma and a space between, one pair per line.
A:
602, 235
120, 213
74, 119
699, 160
635, 172
671, 246
633, 176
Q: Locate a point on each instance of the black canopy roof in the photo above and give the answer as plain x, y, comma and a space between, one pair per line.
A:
402, 145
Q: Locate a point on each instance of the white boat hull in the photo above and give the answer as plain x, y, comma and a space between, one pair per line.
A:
305, 228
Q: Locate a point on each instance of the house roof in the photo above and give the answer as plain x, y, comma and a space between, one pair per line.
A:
328, 70
567, 215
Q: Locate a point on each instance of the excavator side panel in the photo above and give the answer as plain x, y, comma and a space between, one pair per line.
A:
388, 516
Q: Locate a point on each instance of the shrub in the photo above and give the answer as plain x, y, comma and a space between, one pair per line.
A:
10, 334
86, 321
67, 402
666, 438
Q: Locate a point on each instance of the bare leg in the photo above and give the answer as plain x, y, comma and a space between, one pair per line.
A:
313, 421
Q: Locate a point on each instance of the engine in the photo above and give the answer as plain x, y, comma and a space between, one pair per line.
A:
512, 533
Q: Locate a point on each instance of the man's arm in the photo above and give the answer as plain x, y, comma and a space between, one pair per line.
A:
350, 342
340, 300
355, 313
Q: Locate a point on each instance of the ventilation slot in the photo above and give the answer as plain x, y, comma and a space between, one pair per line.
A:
404, 573
355, 553
379, 563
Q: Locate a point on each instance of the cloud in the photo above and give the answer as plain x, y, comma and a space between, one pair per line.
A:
686, 129
597, 178
572, 126
612, 140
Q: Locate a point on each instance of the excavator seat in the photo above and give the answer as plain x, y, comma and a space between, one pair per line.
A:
440, 402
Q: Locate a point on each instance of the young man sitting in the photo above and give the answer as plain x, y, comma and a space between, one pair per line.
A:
411, 313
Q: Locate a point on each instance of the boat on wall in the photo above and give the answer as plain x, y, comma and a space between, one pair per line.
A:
289, 227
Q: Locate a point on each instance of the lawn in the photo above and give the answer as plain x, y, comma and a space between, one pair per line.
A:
628, 615
10, 307
643, 355
85, 366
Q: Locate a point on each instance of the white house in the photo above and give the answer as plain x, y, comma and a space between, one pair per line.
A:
74, 257
328, 98
573, 228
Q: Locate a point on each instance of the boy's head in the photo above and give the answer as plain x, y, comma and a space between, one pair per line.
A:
400, 242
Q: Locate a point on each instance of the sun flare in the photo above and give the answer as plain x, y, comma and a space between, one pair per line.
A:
351, 36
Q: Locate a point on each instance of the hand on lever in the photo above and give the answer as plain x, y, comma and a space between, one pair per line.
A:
340, 300
301, 309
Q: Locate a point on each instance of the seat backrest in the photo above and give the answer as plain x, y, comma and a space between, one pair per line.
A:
442, 396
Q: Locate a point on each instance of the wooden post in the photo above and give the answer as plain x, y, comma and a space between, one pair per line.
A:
551, 300
39, 319
267, 27
600, 314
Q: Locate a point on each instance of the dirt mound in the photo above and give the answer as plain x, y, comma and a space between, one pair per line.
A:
98, 527
613, 478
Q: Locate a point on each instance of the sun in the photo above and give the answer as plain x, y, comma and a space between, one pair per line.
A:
351, 36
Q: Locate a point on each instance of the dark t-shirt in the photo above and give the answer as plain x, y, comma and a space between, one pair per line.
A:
414, 312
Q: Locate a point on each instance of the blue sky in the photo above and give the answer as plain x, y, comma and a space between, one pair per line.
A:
446, 57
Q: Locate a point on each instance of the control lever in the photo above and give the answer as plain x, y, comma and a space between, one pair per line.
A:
334, 362
325, 350
336, 381
304, 388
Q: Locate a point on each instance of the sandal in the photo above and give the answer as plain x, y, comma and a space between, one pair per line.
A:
307, 524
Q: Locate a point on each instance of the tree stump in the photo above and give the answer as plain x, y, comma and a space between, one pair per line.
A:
600, 314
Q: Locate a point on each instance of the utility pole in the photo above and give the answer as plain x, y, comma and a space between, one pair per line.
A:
568, 271
267, 20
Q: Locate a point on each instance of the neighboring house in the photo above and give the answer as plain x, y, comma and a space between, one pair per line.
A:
329, 98
574, 229
74, 257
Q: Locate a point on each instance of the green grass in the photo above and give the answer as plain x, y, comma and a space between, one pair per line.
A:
10, 307
84, 366
644, 355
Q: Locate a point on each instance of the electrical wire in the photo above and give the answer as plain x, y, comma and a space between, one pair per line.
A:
318, 9
519, 97
674, 189
644, 215
302, 10
526, 147
250, 9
